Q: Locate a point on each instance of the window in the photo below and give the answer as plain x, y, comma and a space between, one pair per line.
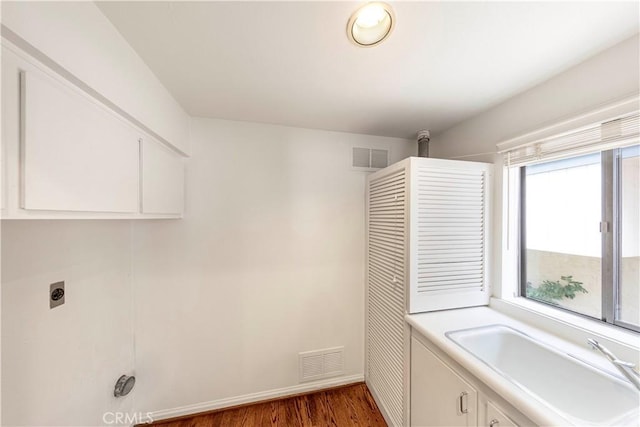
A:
580, 234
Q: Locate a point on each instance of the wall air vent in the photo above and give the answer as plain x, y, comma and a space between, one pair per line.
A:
317, 364
367, 158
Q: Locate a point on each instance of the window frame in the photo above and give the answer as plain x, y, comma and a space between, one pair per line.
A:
610, 229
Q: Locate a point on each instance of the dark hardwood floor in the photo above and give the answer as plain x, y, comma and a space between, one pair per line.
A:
350, 405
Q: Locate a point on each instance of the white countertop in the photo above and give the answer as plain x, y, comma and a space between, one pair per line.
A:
434, 325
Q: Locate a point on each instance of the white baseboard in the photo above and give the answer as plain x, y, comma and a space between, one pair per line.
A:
254, 397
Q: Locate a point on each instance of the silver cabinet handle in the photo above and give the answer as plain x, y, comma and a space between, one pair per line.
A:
463, 408
494, 423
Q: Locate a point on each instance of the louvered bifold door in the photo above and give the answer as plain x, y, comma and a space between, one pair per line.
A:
386, 272
449, 234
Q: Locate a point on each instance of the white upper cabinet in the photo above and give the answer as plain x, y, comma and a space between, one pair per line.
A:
65, 154
431, 234
449, 234
162, 179
76, 156
78, 37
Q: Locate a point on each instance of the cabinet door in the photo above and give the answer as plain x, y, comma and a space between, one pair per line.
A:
450, 234
76, 154
439, 396
162, 179
496, 418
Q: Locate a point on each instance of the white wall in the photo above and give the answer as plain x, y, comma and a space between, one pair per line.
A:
80, 39
59, 365
268, 262
611, 75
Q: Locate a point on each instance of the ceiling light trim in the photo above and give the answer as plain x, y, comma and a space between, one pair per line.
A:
385, 32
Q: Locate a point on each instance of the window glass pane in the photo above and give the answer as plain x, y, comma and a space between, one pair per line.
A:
629, 279
562, 235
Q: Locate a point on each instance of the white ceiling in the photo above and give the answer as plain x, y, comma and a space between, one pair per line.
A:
291, 63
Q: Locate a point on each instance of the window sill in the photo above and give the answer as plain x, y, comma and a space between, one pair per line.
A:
625, 343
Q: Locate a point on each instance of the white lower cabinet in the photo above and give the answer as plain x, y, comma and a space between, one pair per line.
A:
496, 418
442, 395
439, 396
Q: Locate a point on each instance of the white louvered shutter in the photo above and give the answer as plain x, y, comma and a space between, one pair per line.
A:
427, 246
449, 234
386, 273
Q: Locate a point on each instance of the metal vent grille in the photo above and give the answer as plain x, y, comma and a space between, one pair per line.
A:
361, 157
368, 158
332, 363
311, 367
379, 158
317, 364
386, 290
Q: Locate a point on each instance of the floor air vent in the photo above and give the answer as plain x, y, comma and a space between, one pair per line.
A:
317, 364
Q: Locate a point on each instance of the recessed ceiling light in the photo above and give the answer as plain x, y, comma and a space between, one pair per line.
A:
371, 24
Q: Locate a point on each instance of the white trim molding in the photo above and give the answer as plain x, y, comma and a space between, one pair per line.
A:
253, 397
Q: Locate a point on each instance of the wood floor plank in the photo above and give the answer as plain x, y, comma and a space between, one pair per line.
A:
332, 419
345, 406
215, 419
312, 409
289, 414
365, 407
232, 417
260, 416
274, 409
345, 415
